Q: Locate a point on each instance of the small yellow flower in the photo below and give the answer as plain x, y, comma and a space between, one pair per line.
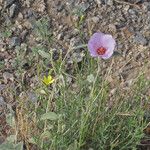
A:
48, 80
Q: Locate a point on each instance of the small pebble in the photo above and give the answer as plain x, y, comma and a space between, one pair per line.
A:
109, 2
8, 76
132, 12
12, 11
75, 42
15, 41
2, 102
2, 139
60, 36
126, 8
95, 19
77, 57
146, 6
32, 97
140, 39
2, 86
28, 24
20, 16
84, 6
23, 34
9, 3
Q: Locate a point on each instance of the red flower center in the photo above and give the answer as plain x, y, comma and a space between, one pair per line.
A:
101, 51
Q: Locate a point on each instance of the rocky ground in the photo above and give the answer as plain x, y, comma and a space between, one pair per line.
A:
69, 24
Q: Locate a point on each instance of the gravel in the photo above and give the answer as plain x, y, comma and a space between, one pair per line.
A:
15, 41
128, 24
146, 6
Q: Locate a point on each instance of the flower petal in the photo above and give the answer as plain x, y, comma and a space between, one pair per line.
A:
94, 43
108, 54
48, 80
108, 42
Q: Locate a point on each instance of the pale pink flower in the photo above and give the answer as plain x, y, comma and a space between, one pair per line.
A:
101, 45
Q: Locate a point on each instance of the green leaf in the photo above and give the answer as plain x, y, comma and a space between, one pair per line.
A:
7, 33
10, 119
11, 138
32, 141
7, 146
46, 134
11, 146
49, 116
44, 54
73, 146
19, 146
91, 78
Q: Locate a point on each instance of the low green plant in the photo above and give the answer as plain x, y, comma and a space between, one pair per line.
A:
77, 115
74, 112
